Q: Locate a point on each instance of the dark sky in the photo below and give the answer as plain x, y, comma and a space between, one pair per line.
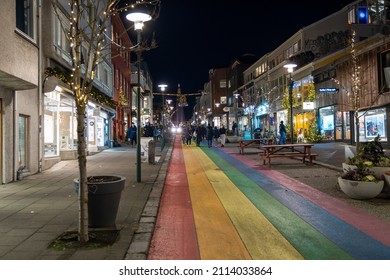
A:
195, 36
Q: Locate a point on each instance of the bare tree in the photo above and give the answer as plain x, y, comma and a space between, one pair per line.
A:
90, 44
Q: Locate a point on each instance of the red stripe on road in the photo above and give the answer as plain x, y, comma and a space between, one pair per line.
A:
174, 236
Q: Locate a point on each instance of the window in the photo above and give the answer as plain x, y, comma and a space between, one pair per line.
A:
61, 43
385, 73
222, 83
25, 17
104, 73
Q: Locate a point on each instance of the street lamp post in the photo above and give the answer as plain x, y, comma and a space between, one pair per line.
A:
236, 95
290, 68
138, 18
163, 87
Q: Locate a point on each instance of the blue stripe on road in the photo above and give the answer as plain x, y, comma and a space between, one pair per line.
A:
356, 243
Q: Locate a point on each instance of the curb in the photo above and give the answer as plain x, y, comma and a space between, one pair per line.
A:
140, 242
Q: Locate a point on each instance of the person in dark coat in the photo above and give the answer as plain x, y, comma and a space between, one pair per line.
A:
199, 134
133, 134
148, 130
188, 135
209, 135
216, 134
222, 134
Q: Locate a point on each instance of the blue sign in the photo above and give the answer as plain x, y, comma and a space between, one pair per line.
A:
328, 90
363, 15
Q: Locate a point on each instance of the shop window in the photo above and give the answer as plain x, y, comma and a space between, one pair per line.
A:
327, 122
385, 73
51, 124
347, 125
67, 124
371, 124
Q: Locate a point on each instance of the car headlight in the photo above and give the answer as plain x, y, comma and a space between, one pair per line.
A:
173, 129
178, 130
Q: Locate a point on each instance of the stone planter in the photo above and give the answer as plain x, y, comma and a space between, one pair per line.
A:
360, 189
232, 139
104, 195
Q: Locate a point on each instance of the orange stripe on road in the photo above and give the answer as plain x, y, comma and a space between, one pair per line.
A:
217, 236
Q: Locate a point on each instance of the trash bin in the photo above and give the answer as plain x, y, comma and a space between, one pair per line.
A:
104, 194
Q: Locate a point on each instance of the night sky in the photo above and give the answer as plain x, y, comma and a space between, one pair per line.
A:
194, 36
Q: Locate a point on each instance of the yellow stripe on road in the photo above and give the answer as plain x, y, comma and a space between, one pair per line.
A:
217, 237
261, 238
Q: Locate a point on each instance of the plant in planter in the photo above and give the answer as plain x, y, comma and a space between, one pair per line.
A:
370, 154
360, 183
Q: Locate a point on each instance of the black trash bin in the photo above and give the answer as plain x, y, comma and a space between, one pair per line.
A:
104, 195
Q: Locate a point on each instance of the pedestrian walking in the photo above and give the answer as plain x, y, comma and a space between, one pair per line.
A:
133, 134
209, 135
222, 135
199, 134
282, 131
189, 135
216, 134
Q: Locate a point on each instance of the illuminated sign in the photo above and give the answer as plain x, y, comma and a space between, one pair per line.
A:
328, 89
308, 105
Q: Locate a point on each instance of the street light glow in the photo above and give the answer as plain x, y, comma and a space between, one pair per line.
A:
138, 18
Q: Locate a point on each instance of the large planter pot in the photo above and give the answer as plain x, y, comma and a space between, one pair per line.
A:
232, 139
360, 189
104, 195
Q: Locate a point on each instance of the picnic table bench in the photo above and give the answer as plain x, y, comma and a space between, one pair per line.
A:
252, 143
289, 151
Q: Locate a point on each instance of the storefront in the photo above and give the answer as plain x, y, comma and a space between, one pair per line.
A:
302, 122
262, 119
60, 125
338, 126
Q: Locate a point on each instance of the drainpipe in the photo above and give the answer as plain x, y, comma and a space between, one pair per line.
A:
15, 161
40, 86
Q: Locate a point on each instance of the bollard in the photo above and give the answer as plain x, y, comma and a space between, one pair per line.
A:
151, 151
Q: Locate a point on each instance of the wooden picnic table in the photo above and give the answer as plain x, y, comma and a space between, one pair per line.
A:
287, 150
252, 143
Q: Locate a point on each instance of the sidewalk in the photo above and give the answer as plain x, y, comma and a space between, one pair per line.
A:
39, 208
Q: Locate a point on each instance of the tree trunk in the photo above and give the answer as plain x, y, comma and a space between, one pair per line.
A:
83, 187
357, 129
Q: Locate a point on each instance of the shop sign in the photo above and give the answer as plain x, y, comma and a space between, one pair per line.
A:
262, 110
308, 105
328, 89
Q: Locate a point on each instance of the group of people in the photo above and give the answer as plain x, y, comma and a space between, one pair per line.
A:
214, 133
149, 131
200, 132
